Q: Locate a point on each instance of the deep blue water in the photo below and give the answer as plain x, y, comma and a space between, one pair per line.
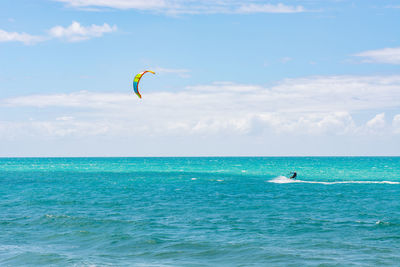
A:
200, 211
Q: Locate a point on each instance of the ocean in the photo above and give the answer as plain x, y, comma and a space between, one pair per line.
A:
206, 211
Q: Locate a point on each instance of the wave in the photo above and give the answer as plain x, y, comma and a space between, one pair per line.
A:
285, 180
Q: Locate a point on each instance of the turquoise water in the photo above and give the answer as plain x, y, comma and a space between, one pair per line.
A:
200, 211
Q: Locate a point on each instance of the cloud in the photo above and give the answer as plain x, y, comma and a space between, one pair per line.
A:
386, 55
396, 123
76, 32
118, 4
312, 106
19, 37
378, 122
82, 99
73, 33
188, 7
311, 94
268, 8
286, 59
184, 73
52, 129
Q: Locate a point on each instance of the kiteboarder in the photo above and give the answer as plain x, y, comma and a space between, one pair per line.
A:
293, 175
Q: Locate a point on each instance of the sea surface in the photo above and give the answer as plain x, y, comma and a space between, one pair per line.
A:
207, 211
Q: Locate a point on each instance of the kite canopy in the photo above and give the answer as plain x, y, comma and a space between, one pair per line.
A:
136, 82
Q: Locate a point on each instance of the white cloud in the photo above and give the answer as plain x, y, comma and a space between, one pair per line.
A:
73, 33
188, 7
119, 4
336, 123
64, 118
180, 72
311, 106
396, 123
81, 99
392, 6
268, 8
76, 32
19, 37
53, 129
386, 55
225, 87
286, 59
313, 94
378, 122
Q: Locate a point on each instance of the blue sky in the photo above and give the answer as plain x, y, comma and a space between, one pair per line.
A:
233, 78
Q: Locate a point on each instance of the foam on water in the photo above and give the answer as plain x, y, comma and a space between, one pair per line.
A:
285, 180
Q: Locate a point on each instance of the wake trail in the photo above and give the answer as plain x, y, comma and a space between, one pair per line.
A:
285, 180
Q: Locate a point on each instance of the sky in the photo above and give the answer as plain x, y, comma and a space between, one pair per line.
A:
233, 78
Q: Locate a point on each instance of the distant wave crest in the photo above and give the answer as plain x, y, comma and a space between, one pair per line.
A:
285, 180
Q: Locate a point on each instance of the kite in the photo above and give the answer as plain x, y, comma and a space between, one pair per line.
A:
136, 82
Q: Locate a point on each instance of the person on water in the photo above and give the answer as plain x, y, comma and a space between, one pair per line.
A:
293, 175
